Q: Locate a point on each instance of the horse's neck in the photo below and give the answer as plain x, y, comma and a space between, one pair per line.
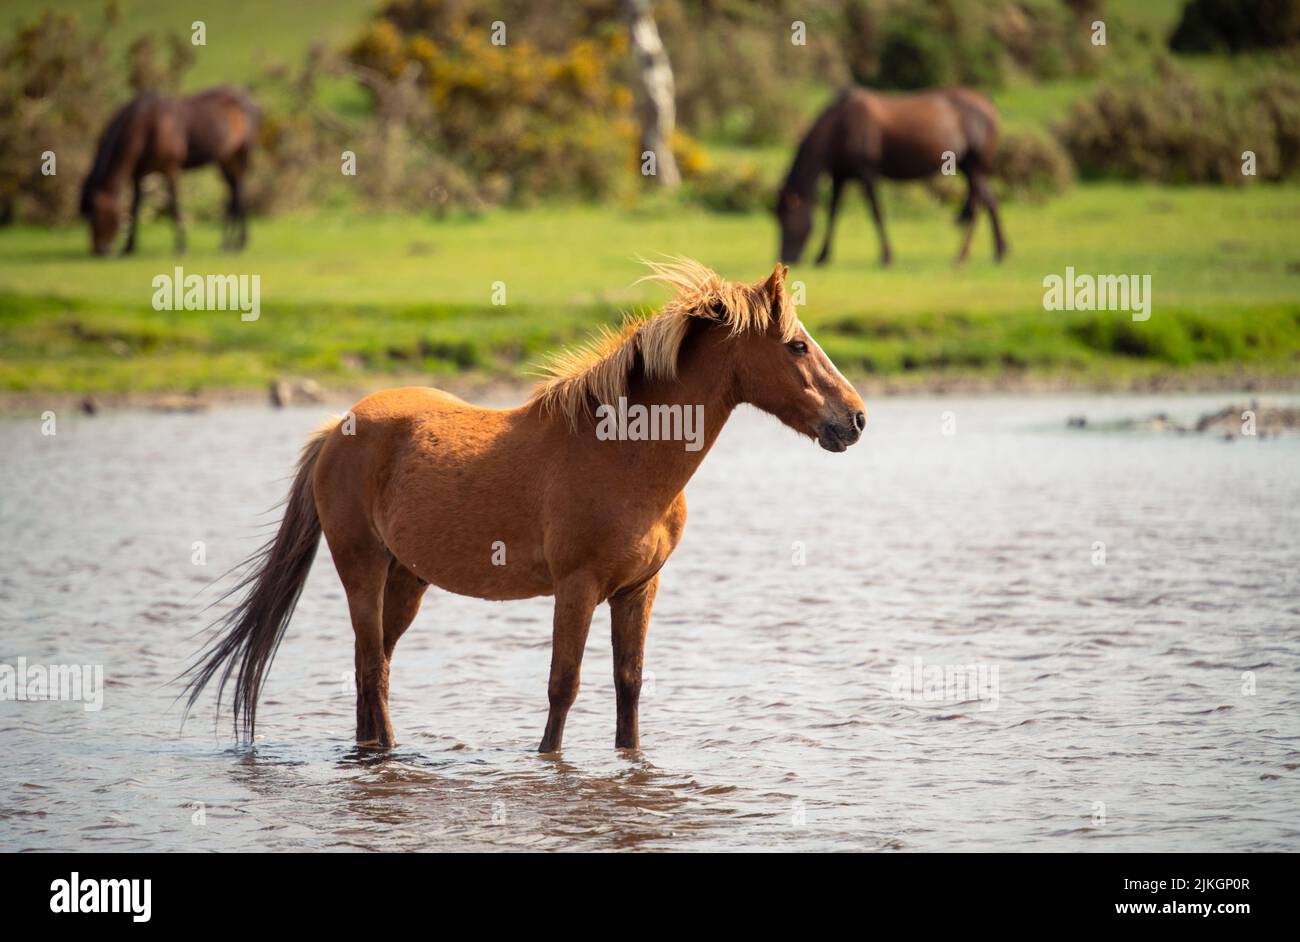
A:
111, 166
705, 394
809, 159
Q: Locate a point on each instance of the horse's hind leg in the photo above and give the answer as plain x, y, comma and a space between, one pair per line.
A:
228, 237
984, 191
966, 218
363, 569
173, 191
403, 593
241, 213
235, 235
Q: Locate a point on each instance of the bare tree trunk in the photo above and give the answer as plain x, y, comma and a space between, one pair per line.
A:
657, 104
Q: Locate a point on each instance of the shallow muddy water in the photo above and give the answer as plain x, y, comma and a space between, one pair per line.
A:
1147, 701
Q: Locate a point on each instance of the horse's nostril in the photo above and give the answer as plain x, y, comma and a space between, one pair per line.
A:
860, 420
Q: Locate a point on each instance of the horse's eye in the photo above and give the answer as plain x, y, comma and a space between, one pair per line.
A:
797, 347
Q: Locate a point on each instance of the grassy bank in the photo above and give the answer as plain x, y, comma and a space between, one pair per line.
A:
349, 300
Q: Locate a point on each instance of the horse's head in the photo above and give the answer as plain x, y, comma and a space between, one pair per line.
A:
781, 370
100, 209
794, 213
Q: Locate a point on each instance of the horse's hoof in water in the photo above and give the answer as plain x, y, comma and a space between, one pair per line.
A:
375, 736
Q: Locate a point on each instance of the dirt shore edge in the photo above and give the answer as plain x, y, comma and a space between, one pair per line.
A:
498, 390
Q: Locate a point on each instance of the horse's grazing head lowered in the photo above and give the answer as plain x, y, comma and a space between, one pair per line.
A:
794, 214
771, 361
99, 208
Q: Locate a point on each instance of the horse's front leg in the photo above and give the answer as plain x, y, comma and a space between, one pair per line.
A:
575, 600
630, 618
837, 187
869, 186
178, 222
136, 195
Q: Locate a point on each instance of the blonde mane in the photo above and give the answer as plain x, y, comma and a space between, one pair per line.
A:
600, 370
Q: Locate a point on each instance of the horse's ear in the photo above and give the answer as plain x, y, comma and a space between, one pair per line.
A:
775, 286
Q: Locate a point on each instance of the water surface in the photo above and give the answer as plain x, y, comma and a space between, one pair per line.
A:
771, 718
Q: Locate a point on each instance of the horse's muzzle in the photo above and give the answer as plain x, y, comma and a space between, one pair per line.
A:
838, 434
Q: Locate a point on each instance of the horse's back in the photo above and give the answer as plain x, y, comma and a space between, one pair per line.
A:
408, 399
156, 133
440, 481
219, 123
907, 134
232, 101
427, 423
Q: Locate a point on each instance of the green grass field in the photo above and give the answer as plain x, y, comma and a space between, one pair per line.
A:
243, 36
345, 298
350, 298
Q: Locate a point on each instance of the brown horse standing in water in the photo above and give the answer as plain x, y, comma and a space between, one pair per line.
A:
155, 134
416, 487
866, 135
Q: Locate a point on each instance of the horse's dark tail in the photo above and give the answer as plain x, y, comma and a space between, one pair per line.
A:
250, 634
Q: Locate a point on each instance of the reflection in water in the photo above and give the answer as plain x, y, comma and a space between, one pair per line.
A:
1136, 593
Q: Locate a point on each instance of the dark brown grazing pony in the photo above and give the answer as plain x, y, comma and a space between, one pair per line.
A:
156, 134
866, 135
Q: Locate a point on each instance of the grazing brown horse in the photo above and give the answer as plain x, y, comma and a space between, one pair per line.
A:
416, 487
156, 134
866, 135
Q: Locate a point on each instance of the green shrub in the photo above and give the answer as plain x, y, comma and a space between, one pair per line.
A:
56, 92
544, 123
739, 78
1174, 130
1160, 338
1236, 25
1032, 166
913, 56
905, 44
1279, 99
731, 189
